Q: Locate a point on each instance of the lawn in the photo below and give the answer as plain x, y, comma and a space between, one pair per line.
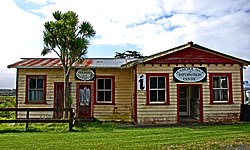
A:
110, 136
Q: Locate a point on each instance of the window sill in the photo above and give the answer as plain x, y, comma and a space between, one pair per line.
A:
104, 103
158, 104
35, 103
223, 102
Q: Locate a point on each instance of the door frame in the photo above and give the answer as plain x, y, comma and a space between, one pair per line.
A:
200, 102
91, 85
55, 94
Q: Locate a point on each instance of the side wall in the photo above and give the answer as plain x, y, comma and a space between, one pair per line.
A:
212, 112
121, 111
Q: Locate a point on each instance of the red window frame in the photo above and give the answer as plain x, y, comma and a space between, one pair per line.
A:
230, 97
148, 75
112, 90
27, 90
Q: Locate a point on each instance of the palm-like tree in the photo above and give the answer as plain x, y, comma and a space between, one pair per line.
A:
69, 39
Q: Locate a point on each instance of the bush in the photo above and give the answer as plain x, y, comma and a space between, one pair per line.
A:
7, 102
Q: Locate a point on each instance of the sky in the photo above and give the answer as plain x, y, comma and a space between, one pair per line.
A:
147, 26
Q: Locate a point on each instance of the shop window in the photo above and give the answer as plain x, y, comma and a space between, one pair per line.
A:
157, 88
35, 89
105, 90
220, 88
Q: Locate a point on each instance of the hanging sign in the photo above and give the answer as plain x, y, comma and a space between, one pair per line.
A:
141, 82
84, 74
190, 74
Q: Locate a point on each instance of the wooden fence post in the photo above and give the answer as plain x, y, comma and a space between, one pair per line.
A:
27, 118
71, 117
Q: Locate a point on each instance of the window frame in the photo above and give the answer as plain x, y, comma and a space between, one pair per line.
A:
166, 75
229, 78
112, 102
27, 101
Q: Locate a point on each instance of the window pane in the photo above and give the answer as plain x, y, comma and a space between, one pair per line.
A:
107, 83
183, 108
183, 102
39, 95
100, 83
108, 96
39, 83
224, 82
216, 95
153, 82
161, 82
100, 96
216, 82
224, 95
153, 96
32, 95
161, 95
32, 83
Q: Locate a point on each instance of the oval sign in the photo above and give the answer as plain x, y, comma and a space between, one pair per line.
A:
85, 74
190, 74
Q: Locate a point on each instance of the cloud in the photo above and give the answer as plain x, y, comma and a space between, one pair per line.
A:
151, 26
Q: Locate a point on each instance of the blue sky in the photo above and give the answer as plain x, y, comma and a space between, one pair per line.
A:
146, 26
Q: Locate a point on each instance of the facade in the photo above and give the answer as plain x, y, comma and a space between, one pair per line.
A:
189, 80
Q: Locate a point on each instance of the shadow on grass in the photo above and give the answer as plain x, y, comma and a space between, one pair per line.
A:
57, 127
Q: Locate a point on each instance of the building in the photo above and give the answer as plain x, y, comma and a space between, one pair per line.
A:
189, 80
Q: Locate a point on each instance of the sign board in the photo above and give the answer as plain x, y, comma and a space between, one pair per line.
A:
84, 74
190, 74
141, 82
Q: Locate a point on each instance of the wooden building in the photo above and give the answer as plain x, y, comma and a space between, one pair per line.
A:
189, 80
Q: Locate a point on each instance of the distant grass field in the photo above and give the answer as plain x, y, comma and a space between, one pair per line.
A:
110, 136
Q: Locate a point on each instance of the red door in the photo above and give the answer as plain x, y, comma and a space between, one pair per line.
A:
59, 102
84, 101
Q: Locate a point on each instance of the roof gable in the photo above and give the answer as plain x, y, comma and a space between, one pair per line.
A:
192, 55
189, 53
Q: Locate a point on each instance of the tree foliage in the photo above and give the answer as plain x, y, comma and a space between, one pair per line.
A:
69, 39
128, 54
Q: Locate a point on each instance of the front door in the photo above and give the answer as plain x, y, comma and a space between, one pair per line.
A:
190, 101
59, 102
84, 101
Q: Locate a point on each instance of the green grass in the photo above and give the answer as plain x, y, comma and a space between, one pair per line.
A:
110, 136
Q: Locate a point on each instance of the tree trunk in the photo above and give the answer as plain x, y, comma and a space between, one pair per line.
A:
66, 88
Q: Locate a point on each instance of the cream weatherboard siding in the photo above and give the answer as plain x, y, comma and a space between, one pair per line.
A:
121, 111
211, 112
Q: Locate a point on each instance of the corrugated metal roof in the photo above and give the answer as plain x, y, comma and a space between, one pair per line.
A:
56, 63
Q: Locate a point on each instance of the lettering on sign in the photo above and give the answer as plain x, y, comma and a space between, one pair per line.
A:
190, 74
84, 74
141, 82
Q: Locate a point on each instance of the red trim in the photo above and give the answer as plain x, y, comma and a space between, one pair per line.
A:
17, 89
192, 55
113, 90
178, 103
241, 81
230, 97
201, 101
135, 95
148, 75
44, 88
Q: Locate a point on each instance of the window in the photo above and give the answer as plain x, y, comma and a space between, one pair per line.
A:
105, 90
220, 88
35, 89
157, 89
